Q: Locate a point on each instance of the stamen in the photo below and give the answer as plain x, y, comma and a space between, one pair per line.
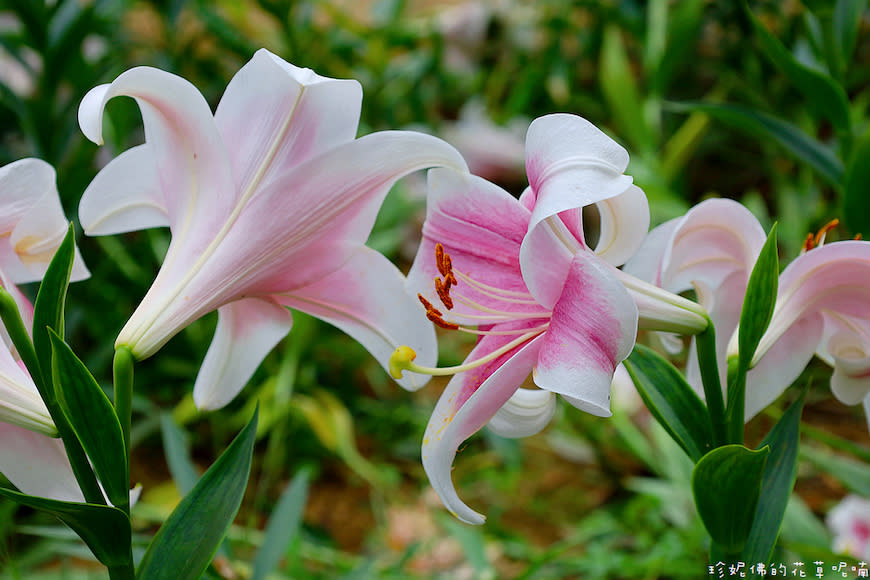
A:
439, 259
858, 236
443, 290
814, 241
820, 236
439, 321
403, 357
428, 305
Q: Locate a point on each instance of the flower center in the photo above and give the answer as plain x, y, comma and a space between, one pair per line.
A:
500, 306
818, 239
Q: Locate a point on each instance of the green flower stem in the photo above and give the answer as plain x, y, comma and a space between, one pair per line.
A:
78, 459
705, 344
20, 337
122, 372
122, 571
736, 400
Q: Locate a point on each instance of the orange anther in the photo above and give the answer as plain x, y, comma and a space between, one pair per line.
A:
443, 290
858, 236
431, 315
428, 306
439, 259
820, 235
809, 243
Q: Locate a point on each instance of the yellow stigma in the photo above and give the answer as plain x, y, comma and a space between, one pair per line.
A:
401, 359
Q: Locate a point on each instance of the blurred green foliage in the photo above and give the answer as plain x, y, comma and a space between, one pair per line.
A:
711, 97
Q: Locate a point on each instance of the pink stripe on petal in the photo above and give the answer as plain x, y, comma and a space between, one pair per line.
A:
592, 330
449, 426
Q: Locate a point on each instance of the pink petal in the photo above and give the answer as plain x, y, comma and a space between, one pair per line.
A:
592, 330
782, 364
624, 221
480, 227
247, 330
297, 114
832, 279
545, 259
20, 403
125, 196
850, 382
22, 182
571, 163
189, 156
33, 224
366, 298
470, 400
37, 464
296, 230
713, 240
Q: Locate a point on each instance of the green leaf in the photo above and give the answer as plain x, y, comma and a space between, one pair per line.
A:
49, 306
283, 526
853, 474
105, 529
777, 483
671, 400
177, 451
726, 484
846, 23
755, 316
186, 543
798, 144
825, 96
856, 199
759, 300
93, 420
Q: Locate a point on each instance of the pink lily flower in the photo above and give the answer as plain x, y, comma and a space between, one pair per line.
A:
849, 521
543, 302
269, 202
32, 223
822, 307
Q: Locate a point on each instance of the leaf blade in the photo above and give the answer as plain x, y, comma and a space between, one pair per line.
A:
671, 400
187, 541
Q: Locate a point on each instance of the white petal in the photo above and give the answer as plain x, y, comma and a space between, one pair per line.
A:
124, 196
37, 464
246, 331
527, 412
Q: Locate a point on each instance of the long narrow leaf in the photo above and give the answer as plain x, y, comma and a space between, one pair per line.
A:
777, 483
49, 306
92, 418
186, 543
671, 401
105, 529
282, 527
800, 145
177, 452
826, 97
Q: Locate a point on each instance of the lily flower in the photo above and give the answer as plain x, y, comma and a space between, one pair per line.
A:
269, 202
32, 227
32, 223
710, 250
821, 306
849, 522
542, 301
